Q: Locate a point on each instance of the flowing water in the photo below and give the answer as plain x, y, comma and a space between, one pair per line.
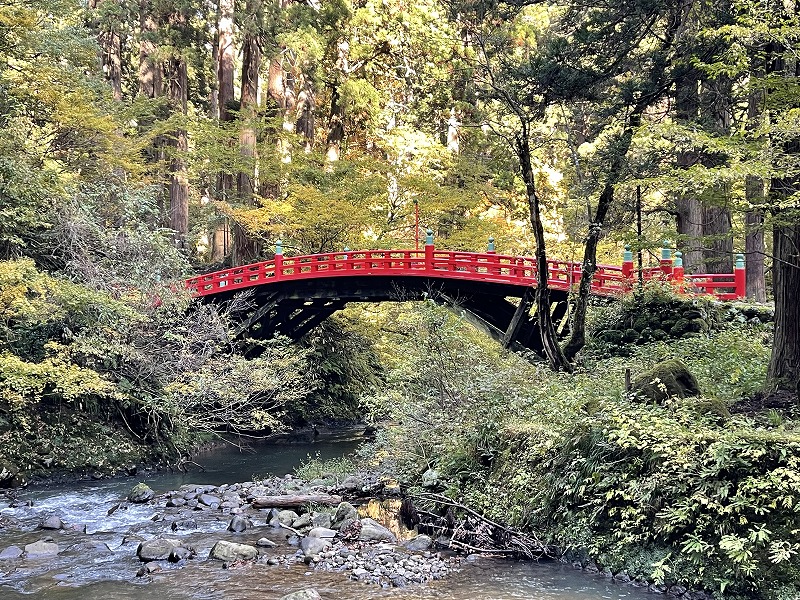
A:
97, 558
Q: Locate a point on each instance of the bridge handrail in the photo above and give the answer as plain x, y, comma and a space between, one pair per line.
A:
608, 280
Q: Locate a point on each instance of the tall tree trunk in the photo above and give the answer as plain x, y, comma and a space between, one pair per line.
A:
179, 182
756, 288
225, 57
245, 247
336, 115
688, 212
784, 363
547, 330
755, 248
151, 82
226, 54
110, 42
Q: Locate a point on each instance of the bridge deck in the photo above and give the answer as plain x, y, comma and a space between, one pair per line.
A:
487, 267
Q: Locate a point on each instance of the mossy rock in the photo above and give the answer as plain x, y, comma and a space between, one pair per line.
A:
681, 327
610, 336
659, 334
668, 379
630, 335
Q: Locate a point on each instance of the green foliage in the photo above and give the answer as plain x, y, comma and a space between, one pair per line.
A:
333, 470
675, 493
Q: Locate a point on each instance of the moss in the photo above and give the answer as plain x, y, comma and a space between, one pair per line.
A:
668, 379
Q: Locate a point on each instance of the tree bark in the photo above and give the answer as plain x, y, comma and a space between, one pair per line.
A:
336, 115
295, 500
179, 182
784, 364
755, 247
245, 248
688, 212
717, 237
755, 284
151, 83
547, 330
226, 54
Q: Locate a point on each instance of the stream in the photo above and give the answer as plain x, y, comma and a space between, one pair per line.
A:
97, 551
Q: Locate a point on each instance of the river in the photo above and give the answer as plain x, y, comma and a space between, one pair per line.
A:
98, 551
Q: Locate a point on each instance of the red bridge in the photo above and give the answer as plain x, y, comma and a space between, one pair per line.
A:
294, 294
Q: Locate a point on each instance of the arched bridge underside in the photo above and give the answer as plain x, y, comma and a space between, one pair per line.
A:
290, 296
293, 308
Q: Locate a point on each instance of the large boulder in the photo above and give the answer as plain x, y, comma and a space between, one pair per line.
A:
372, 531
51, 522
156, 549
668, 379
230, 552
344, 512
419, 543
41, 548
140, 493
311, 546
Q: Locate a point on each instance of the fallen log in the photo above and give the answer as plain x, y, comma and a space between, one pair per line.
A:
295, 500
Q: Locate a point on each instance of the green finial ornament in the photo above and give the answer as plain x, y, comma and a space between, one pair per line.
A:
278, 247
627, 256
740, 261
678, 259
490, 247
429, 237
666, 251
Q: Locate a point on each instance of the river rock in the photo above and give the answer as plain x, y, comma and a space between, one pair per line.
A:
230, 552
302, 522
419, 543
265, 543
322, 532
41, 548
344, 511
239, 524
51, 522
372, 531
209, 500
180, 553
140, 493
352, 484
156, 549
183, 524
10, 553
321, 520
311, 594
430, 479
284, 517
312, 546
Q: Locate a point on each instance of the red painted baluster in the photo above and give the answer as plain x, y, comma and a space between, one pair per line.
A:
627, 269
677, 272
666, 260
429, 249
278, 259
739, 277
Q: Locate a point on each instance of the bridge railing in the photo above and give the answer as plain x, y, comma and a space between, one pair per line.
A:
608, 280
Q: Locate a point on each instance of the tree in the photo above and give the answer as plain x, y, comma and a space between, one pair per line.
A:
621, 60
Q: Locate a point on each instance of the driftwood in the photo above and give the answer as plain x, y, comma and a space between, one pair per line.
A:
476, 533
295, 500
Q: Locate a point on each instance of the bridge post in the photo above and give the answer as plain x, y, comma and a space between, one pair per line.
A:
627, 268
278, 259
490, 246
429, 248
739, 277
677, 271
666, 260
